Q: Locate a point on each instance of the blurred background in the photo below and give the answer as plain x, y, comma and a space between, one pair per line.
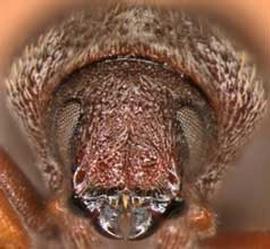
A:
243, 201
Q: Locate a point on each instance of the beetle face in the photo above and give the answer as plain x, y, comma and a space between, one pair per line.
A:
129, 147
106, 102
127, 164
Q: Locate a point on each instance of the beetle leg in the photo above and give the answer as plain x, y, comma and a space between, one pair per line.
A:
13, 235
21, 208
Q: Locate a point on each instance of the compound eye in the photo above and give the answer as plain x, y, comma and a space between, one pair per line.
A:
66, 120
195, 133
199, 131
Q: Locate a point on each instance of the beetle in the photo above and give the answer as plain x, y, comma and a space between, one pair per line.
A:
134, 114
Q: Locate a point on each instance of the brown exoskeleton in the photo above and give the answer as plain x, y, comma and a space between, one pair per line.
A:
133, 113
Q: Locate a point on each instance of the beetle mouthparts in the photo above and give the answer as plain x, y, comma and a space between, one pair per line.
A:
127, 216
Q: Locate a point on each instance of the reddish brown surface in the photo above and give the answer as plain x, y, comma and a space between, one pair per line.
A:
238, 240
202, 221
12, 235
21, 194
